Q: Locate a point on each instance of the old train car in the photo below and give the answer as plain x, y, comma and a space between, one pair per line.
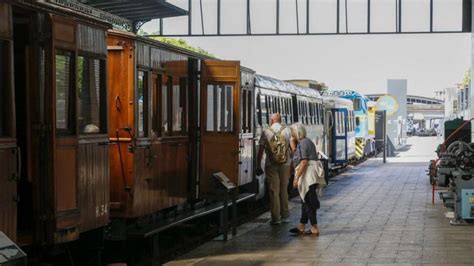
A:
53, 125
157, 100
294, 103
149, 125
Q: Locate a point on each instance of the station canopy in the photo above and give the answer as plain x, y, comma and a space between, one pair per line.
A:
137, 10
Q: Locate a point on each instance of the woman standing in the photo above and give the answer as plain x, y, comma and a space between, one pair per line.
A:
309, 174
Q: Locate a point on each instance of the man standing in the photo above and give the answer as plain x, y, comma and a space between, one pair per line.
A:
275, 141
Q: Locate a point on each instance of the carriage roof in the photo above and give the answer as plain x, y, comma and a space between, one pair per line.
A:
283, 86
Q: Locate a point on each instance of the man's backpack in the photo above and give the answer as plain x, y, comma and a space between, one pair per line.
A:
278, 147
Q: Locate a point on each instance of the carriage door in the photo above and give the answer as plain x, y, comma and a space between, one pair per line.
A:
63, 95
220, 121
246, 129
8, 147
339, 132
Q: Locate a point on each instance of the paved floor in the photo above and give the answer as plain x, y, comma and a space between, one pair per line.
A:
373, 214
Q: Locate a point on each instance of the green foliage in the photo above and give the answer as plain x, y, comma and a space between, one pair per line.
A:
467, 78
183, 44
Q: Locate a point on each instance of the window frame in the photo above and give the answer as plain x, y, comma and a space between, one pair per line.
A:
233, 118
71, 116
103, 93
7, 126
183, 90
146, 104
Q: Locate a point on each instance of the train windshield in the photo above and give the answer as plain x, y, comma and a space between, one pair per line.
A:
357, 105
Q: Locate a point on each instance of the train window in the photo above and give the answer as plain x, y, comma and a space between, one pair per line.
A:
5, 109
65, 107
289, 111
220, 108
318, 114
300, 111
263, 110
306, 113
91, 95
142, 103
165, 84
342, 124
357, 104
155, 85
246, 117
357, 119
178, 96
350, 119
321, 111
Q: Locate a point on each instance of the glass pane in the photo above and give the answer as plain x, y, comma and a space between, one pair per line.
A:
164, 105
142, 103
90, 84
177, 108
220, 108
243, 117
154, 104
5, 111
263, 110
64, 108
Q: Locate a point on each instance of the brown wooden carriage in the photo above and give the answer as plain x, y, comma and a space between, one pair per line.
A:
53, 127
158, 157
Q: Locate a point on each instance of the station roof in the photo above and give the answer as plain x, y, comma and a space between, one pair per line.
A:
137, 10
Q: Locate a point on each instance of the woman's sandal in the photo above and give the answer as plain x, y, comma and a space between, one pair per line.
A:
297, 231
309, 232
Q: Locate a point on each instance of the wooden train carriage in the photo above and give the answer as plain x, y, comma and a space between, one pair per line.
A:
53, 126
148, 126
226, 123
157, 161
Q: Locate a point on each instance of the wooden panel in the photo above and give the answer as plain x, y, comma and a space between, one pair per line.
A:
93, 185
5, 21
92, 40
8, 186
176, 68
121, 71
120, 197
64, 33
160, 57
145, 199
143, 55
219, 150
65, 178
221, 70
172, 165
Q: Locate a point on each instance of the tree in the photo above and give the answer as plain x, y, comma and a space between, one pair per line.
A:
183, 44
467, 78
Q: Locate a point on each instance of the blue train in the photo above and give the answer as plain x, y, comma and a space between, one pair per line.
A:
364, 111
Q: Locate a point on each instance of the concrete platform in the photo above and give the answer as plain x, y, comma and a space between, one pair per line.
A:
373, 214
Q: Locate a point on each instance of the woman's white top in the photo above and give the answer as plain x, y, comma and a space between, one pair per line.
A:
314, 175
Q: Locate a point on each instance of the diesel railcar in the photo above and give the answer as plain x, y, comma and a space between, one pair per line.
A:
340, 130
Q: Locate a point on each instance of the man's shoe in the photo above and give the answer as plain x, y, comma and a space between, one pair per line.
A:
275, 222
284, 221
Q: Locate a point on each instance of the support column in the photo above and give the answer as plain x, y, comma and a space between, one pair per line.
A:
471, 93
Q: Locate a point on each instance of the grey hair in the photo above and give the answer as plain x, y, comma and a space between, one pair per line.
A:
298, 130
